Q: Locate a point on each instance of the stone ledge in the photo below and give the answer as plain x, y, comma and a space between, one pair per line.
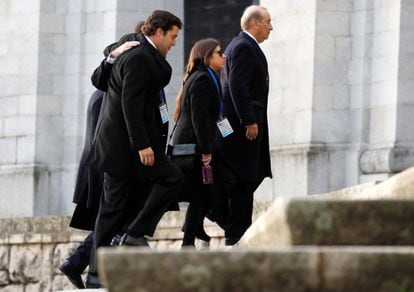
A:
333, 222
85, 290
53, 229
39, 224
283, 269
41, 229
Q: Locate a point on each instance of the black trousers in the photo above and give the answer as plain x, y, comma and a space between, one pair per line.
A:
116, 207
80, 258
234, 214
203, 198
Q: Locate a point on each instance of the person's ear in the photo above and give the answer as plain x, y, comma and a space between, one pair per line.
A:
159, 32
208, 61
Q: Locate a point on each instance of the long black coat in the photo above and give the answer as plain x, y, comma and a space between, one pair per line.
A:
245, 86
130, 121
89, 181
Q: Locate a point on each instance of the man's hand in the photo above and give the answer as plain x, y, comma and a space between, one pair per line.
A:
252, 131
124, 47
146, 156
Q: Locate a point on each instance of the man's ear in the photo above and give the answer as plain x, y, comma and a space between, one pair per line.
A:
159, 32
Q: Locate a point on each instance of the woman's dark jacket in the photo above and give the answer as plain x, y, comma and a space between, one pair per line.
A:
199, 113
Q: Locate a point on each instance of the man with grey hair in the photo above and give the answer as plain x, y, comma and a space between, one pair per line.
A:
245, 87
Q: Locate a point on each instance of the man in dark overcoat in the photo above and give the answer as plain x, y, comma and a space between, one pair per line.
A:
245, 85
89, 181
129, 142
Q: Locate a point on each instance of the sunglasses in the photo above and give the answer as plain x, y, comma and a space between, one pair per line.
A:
219, 52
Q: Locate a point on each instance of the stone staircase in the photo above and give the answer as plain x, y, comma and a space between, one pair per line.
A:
357, 239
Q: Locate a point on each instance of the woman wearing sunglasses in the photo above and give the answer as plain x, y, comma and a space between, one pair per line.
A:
195, 139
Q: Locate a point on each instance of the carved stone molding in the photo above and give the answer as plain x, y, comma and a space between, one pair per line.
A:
388, 160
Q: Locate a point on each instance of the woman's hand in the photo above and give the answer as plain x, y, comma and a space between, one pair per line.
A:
124, 47
206, 158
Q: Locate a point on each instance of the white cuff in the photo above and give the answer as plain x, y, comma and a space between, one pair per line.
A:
110, 59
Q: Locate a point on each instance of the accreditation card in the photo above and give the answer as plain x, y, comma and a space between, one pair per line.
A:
164, 112
224, 127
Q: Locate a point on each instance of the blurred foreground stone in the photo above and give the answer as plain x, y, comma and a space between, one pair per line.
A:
368, 214
333, 222
282, 269
357, 239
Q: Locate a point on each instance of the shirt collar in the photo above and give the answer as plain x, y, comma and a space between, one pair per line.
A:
250, 35
151, 42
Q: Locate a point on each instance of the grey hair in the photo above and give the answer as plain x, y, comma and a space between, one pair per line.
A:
251, 12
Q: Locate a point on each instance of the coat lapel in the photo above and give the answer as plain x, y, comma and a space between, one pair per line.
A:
256, 46
160, 59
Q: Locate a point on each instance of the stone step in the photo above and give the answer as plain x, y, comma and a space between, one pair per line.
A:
333, 222
85, 290
282, 269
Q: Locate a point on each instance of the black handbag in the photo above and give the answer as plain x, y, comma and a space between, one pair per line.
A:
186, 156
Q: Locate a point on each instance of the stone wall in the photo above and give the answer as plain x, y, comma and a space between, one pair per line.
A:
340, 104
49, 49
341, 83
31, 249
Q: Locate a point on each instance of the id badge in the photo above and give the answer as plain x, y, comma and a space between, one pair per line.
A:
224, 127
164, 113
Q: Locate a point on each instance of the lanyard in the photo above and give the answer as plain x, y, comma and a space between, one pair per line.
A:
163, 99
216, 82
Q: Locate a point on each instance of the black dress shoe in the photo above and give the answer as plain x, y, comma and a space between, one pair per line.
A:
201, 234
92, 281
72, 274
116, 240
219, 220
187, 247
231, 241
128, 240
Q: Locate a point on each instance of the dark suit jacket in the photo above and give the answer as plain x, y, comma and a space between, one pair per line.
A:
199, 113
130, 121
245, 85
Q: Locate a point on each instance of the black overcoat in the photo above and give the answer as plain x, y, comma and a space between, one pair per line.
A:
245, 86
130, 122
89, 181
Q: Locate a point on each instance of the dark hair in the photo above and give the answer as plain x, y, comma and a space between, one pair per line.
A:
200, 54
160, 19
138, 26
125, 38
